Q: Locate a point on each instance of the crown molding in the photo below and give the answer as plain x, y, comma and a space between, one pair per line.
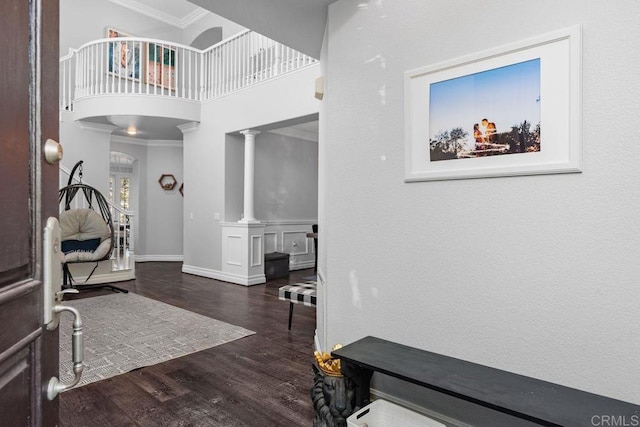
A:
161, 16
193, 17
188, 127
295, 133
147, 142
167, 143
99, 127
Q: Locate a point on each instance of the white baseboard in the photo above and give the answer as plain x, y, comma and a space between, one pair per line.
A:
225, 277
283, 222
160, 258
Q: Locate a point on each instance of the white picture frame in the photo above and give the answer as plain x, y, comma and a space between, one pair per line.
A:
444, 102
160, 66
123, 57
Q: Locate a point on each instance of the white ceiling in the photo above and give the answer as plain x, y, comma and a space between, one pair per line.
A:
155, 128
148, 128
179, 13
176, 8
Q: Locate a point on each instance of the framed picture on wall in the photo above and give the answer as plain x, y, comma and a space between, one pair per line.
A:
161, 66
123, 56
512, 110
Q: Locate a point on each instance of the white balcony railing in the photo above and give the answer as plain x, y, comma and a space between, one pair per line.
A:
141, 66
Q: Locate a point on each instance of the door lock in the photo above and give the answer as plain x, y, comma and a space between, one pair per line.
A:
52, 151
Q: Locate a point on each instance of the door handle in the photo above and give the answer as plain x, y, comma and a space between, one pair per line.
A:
53, 295
55, 386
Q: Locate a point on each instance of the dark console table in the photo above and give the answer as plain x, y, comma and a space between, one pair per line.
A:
524, 397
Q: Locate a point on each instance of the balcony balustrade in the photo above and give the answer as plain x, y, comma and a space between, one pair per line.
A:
150, 67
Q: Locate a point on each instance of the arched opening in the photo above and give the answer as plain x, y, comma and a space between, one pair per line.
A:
123, 193
207, 38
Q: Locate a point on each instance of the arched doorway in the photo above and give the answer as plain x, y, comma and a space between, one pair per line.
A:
123, 193
207, 38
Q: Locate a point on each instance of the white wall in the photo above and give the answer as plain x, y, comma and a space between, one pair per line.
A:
163, 224
286, 172
546, 283
91, 145
82, 21
205, 160
234, 177
159, 212
286, 178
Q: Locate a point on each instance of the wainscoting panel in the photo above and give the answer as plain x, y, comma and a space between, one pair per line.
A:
295, 242
290, 236
234, 249
256, 251
242, 253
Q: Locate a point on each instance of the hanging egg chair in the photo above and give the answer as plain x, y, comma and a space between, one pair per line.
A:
86, 229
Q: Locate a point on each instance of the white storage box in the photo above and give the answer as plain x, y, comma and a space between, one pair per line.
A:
381, 413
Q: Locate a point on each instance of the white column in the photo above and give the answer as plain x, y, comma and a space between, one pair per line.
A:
249, 172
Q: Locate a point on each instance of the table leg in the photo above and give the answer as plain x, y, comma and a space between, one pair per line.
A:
362, 379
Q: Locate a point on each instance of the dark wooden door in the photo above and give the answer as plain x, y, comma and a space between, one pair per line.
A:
28, 195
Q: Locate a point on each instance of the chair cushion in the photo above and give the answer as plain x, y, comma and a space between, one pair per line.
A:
99, 254
83, 224
80, 245
299, 293
80, 230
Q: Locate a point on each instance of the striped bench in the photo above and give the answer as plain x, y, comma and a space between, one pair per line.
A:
299, 293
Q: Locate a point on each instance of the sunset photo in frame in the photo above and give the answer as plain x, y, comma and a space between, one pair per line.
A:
511, 110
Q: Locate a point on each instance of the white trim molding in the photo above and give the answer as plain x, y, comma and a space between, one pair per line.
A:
159, 258
242, 261
168, 143
256, 251
234, 254
224, 276
188, 127
98, 127
308, 222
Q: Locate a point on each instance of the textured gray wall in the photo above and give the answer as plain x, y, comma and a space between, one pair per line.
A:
536, 275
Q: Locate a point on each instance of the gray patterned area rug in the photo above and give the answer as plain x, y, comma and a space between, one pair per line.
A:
123, 332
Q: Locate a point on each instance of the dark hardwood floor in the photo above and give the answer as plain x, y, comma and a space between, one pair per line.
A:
260, 380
